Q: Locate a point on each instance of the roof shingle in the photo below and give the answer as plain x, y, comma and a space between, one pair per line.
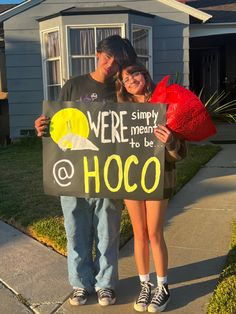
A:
5, 7
223, 11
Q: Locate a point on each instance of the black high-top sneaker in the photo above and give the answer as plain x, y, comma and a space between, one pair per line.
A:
160, 299
144, 297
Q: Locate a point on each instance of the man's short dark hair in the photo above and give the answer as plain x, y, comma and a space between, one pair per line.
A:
120, 48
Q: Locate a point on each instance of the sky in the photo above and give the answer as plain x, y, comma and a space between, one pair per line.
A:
10, 1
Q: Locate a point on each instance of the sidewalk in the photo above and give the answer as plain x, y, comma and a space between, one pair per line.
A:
198, 233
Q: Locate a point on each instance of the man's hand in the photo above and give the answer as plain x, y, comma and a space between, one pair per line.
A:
163, 134
41, 125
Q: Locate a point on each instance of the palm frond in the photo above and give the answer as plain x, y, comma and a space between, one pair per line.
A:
219, 109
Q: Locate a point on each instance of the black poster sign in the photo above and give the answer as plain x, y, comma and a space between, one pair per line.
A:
103, 150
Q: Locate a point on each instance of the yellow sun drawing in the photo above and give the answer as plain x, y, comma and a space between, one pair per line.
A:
69, 120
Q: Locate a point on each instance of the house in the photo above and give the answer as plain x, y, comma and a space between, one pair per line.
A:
4, 118
49, 41
213, 48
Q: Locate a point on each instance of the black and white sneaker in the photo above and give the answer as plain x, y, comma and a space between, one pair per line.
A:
106, 296
79, 297
160, 299
144, 297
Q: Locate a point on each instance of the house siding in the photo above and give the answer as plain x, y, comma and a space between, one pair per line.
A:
23, 51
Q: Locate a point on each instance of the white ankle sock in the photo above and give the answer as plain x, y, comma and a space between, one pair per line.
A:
144, 278
161, 280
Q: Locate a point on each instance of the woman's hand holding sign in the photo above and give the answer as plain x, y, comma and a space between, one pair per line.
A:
163, 134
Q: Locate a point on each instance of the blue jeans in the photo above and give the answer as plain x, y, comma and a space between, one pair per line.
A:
87, 221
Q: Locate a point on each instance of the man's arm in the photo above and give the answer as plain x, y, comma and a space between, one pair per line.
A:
65, 94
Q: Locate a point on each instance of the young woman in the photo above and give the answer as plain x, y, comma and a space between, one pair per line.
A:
147, 216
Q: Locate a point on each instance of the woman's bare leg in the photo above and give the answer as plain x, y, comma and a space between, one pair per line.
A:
155, 222
137, 213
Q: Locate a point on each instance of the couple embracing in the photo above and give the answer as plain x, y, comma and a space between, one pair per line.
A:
118, 77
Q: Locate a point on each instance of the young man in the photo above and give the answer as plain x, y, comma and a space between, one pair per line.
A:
89, 220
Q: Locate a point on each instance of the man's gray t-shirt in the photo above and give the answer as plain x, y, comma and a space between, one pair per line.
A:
85, 89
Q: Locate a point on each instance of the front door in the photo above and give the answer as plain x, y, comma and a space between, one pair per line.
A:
210, 67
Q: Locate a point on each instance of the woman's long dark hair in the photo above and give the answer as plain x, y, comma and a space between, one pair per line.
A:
123, 95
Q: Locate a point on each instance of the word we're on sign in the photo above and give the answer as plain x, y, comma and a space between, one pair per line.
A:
103, 150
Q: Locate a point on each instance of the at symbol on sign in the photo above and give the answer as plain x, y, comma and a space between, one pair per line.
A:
64, 171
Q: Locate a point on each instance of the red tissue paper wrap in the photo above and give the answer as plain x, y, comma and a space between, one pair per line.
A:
186, 115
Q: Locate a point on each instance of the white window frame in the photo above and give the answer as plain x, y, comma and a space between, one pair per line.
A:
150, 47
45, 59
83, 26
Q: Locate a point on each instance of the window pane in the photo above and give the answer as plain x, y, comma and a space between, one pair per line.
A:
105, 32
52, 44
144, 61
53, 72
82, 42
82, 66
140, 40
53, 92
